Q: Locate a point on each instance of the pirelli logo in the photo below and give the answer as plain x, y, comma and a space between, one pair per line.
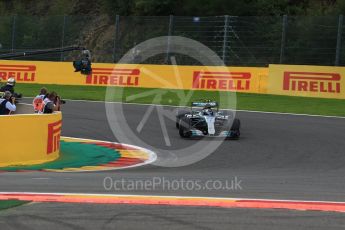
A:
54, 131
22, 73
113, 76
312, 82
232, 81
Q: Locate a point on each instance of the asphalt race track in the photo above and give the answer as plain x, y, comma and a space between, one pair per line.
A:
278, 157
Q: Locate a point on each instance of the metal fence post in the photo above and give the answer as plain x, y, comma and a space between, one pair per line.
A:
225, 37
13, 32
117, 24
63, 37
170, 31
340, 33
283, 41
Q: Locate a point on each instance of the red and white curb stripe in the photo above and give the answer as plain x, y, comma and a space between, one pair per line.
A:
176, 201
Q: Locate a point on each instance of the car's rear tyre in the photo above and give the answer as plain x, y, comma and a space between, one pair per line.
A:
184, 128
228, 113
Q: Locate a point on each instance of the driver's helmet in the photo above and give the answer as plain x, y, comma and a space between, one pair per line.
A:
207, 112
11, 81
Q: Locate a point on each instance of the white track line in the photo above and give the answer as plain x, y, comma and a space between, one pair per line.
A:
177, 106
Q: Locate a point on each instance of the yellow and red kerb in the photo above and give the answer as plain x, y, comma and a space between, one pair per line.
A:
130, 156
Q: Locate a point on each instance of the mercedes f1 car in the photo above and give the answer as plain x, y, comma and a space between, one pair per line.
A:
205, 119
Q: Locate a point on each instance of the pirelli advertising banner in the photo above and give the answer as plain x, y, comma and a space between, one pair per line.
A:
240, 79
307, 81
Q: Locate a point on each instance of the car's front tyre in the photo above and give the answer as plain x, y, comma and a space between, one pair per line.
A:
235, 129
184, 128
180, 114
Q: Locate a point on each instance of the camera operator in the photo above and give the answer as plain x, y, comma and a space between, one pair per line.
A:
84, 64
11, 82
7, 104
51, 103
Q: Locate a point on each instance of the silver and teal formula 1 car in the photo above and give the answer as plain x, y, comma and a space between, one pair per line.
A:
205, 119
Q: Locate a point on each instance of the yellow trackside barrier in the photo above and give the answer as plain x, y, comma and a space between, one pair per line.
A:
29, 139
291, 80
307, 81
240, 79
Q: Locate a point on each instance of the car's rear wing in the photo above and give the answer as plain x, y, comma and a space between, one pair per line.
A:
203, 104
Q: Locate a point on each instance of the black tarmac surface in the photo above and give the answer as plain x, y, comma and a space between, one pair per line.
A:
278, 157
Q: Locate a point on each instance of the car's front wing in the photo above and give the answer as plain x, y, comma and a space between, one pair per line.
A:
224, 134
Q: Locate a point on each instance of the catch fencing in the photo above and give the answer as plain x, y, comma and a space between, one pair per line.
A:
238, 41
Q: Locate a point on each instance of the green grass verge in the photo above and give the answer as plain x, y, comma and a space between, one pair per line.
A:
6, 204
74, 155
245, 101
